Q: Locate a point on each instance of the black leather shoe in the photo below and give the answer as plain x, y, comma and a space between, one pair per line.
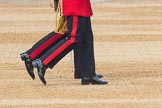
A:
41, 70
28, 64
93, 80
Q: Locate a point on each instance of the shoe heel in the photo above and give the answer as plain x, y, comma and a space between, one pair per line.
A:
22, 56
85, 82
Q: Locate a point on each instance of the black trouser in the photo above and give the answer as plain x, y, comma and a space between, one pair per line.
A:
54, 47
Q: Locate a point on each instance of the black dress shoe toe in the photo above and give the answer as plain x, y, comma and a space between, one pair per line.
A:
28, 64
41, 70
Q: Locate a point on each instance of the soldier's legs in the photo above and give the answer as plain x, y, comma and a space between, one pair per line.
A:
76, 26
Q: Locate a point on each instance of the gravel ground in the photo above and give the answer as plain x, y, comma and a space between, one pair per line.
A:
128, 52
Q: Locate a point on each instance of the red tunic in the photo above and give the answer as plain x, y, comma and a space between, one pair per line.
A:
76, 7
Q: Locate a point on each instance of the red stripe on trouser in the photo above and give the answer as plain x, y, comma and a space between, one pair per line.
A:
66, 44
44, 45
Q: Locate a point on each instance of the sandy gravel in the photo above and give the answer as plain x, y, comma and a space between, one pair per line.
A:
128, 52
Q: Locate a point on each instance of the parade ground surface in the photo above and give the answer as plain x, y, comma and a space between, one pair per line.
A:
128, 52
